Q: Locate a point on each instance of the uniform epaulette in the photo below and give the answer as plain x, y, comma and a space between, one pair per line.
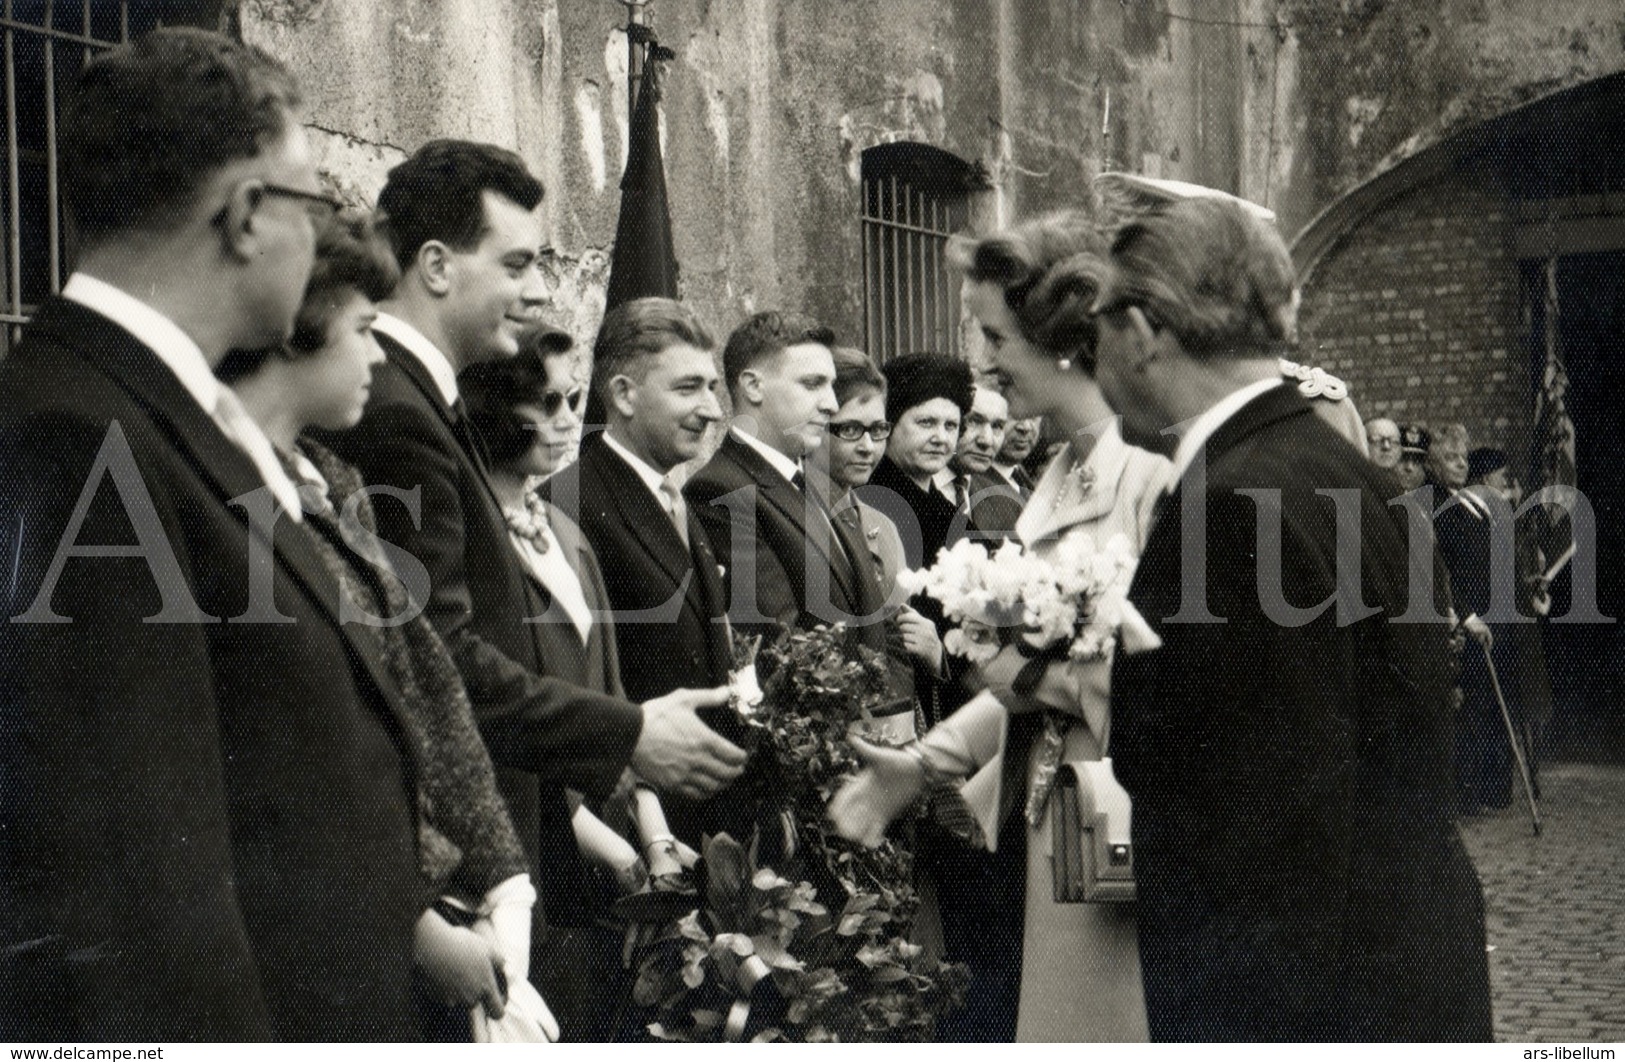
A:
1315, 382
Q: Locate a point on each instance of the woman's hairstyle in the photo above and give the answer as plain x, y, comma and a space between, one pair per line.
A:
350, 257
855, 375
1211, 272
493, 390
1050, 269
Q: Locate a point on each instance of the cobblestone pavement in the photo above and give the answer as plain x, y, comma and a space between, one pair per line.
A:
1556, 907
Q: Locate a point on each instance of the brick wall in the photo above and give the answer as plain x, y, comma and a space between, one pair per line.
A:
1419, 309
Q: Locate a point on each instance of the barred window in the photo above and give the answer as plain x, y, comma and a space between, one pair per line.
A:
914, 198
46, 43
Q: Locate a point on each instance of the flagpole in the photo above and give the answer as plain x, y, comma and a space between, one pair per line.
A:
635, 16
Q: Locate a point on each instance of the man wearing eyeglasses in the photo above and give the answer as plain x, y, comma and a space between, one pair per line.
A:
209, 813
466, 225
1382, 442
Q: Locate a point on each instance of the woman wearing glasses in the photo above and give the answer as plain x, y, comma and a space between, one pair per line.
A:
857, 441
527, 412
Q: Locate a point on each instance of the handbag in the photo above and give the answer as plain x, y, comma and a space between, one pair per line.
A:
1092, 853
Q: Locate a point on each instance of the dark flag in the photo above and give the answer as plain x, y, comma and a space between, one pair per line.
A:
644, 262
1553, 456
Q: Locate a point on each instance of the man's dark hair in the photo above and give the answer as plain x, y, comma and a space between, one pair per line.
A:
765, 335
148, 124
636, 330
350, 256
493, 390
915, 379
437, 195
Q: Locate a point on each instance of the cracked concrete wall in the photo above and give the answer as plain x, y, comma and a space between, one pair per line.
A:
1381, 81
771, 102
766, 113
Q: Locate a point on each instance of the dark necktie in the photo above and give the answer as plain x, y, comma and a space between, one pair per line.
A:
468, 436
1022, 479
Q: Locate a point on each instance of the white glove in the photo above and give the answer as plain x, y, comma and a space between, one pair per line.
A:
505, 915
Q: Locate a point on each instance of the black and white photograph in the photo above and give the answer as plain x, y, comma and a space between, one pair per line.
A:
812, 521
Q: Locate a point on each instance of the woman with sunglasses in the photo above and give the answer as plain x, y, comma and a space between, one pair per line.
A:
478, 934
527, 411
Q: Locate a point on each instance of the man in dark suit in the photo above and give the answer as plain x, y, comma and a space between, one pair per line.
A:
1300, 875
1476, 539
1020, 441
468, 235
993, 504
789, 562
653, 372
208, 820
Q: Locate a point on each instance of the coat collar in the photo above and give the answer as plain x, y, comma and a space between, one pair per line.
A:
1072, 492
220, 463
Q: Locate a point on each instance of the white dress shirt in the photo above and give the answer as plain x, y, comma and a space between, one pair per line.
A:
951, 486
185, 359
422, 348
1202, 427
781, 463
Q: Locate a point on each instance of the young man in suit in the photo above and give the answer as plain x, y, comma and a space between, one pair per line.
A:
468, 235
789, 562
208, 825
654, 373
1287, 746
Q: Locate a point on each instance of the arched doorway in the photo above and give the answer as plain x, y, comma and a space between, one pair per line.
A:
1428, 289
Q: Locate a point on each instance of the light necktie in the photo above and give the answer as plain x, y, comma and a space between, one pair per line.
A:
676, 508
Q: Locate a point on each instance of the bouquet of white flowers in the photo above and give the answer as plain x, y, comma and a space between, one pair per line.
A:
1077, 600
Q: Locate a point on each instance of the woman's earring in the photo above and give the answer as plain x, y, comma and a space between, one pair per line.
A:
1063, 364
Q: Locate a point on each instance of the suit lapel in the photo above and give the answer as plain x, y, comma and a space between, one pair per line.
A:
218, 461
640, 515
782, 496
472, 449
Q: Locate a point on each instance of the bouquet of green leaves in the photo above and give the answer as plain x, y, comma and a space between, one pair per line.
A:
815, 947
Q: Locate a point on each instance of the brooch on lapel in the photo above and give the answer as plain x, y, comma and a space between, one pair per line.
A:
1080, 480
